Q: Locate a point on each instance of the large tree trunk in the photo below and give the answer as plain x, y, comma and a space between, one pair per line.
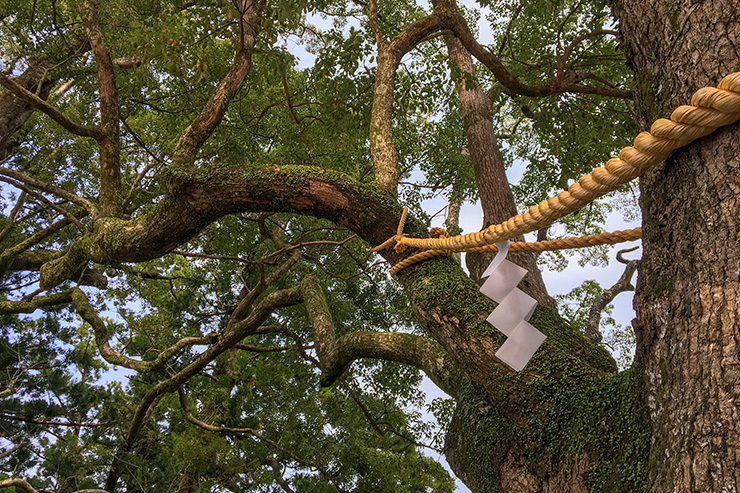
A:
688, 289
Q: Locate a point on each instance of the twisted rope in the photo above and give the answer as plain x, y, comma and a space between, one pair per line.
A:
711, 107
537, 246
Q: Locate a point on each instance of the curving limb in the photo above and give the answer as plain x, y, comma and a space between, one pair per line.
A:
337, 354
102, 339
382, 148
452, 19
36, 303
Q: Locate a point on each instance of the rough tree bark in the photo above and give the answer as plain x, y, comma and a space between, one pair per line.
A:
688, 288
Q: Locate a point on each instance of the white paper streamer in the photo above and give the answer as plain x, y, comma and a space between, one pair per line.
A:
512, 314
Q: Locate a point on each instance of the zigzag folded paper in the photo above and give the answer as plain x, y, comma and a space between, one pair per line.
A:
512, 314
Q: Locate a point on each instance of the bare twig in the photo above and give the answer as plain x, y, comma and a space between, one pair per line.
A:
623, 284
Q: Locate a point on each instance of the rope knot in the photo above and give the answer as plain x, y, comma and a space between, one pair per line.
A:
438, 233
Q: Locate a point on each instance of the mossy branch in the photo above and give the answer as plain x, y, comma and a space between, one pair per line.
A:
31, 306
337, 354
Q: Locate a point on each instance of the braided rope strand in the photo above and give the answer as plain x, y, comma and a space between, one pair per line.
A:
711, 107
537, 246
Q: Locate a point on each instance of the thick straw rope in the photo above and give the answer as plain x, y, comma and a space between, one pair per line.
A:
537, 246
710, 108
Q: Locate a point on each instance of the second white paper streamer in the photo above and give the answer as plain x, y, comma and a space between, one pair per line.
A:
512, 314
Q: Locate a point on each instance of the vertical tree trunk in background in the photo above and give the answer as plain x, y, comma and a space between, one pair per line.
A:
452, 223
688, 289
496, 198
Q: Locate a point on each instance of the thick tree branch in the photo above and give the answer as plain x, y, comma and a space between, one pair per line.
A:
382, 148
415, 33
31, 261
111, 200
53, 113
196, 197
195, 135
36, 303
497, 200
